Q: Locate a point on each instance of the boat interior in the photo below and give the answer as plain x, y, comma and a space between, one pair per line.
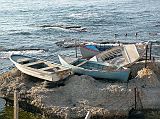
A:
92, 65
25, 60
111, 54
37, 64
103, 47
122, 55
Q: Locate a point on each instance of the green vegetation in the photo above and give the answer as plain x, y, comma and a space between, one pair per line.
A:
7, 113
152, 115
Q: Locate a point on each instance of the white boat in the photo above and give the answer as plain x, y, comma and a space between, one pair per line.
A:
95, 69
39, 68
124, 55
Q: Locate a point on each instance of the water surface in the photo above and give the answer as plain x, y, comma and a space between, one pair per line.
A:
19, 20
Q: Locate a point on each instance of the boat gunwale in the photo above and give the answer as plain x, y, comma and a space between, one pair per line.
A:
101, 74
63, 68
104, 71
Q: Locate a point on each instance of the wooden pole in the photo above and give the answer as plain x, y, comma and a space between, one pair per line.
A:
88, 116
135, 98
153, 59
146, 56
138, 97
16, 106
150, 51
76, 48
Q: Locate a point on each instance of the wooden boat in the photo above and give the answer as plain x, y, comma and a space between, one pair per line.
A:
120, 56
39, 68
90, 50
95, 69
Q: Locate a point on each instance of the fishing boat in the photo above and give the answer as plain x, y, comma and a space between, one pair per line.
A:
91, 49
95, 69
40, 68
121, 56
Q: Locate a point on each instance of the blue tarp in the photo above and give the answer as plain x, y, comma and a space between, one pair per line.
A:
92, 47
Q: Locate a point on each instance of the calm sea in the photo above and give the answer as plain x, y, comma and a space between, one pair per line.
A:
19, 21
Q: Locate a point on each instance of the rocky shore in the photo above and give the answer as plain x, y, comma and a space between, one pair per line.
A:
77, 95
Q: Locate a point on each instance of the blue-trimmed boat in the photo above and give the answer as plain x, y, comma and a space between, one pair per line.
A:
121, 56
90, 50
95, 69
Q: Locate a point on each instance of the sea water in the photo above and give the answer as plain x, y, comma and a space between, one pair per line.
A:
20, 21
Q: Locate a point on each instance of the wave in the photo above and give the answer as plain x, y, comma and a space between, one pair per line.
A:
154, 33
83, 15
7, 54
23, 49
158, 25
64, 27
24, 11
20, 33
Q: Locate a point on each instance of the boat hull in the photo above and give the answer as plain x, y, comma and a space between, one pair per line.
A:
91, 50
121, 56
87, 53
121, 75
43, 74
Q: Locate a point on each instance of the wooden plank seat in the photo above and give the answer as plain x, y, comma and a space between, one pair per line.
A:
111, 54
106, 56
24, 60
33, 63
50, 70
82, 63
46, 68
